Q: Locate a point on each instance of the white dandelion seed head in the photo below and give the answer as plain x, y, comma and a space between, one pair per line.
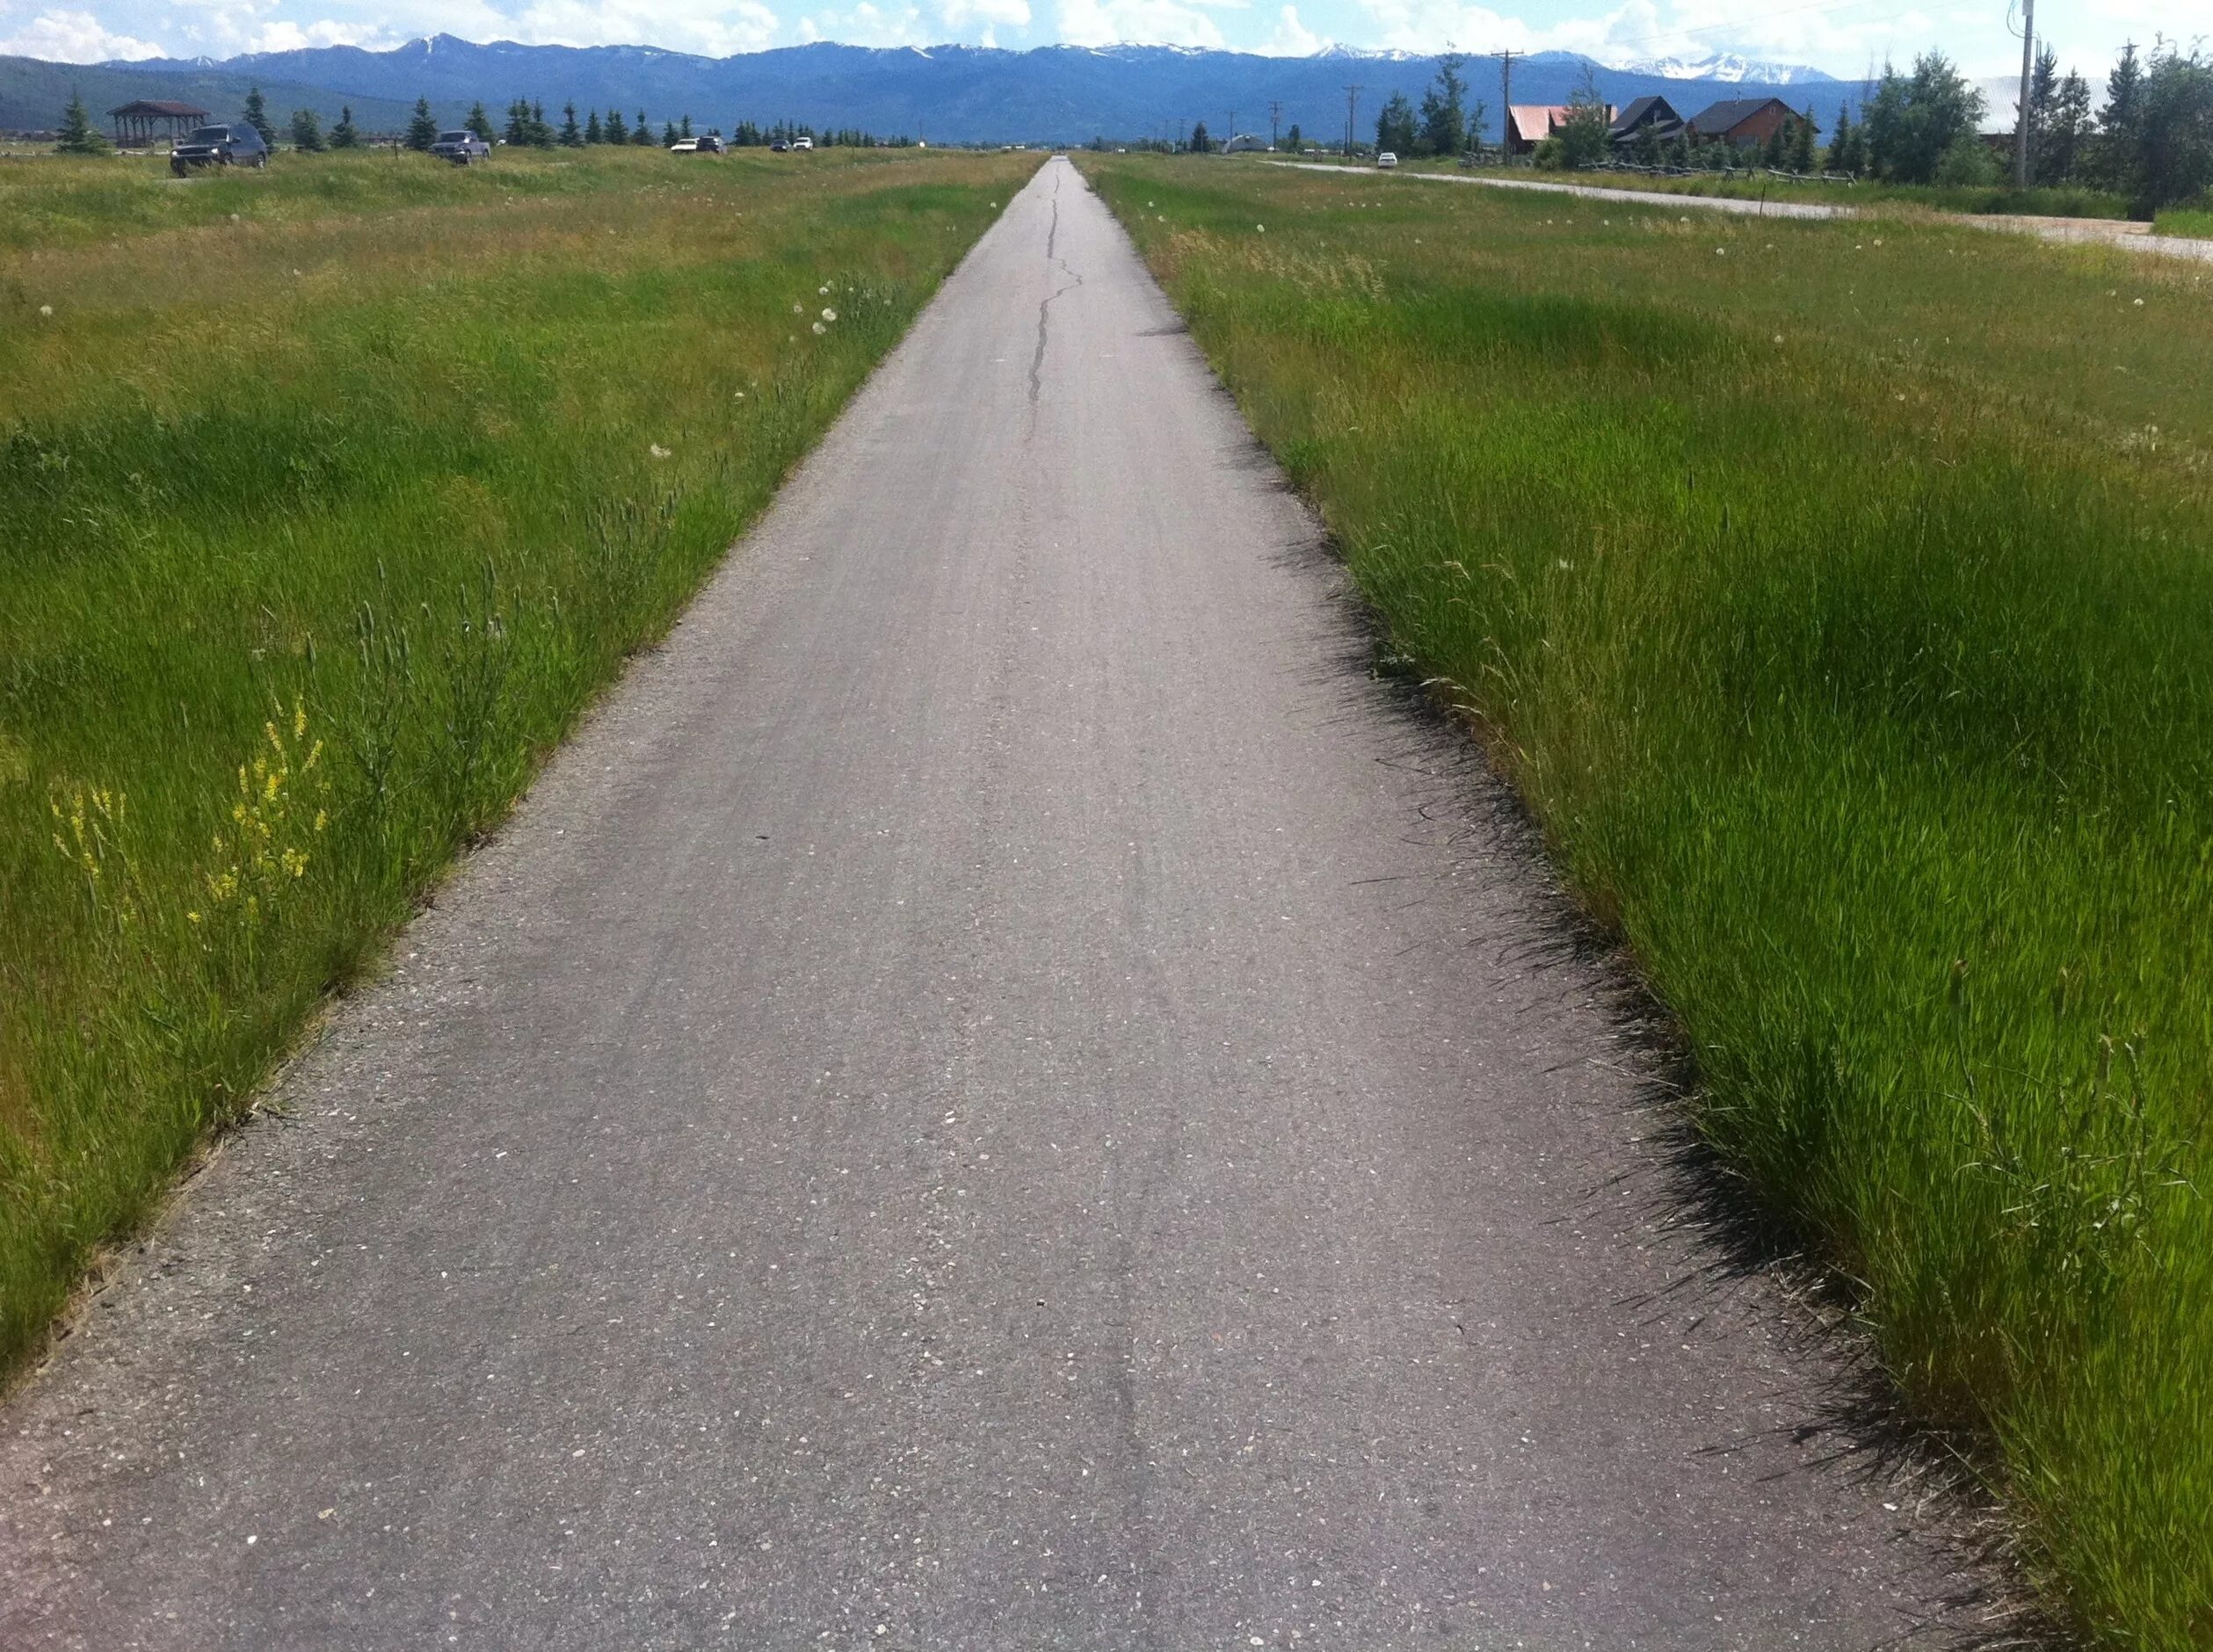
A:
821, 291
46, 309
657, 450
820, 328
1261, 229
830, 316
2139, 304
799, 309
1779, 338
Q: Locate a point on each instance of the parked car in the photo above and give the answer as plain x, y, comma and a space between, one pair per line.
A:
803, 143
777, 146
1386, 158
708, 145
684, 146
218, 146
461, 148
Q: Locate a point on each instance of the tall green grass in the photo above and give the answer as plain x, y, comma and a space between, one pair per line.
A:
1836, 595
2070, 201
328, 499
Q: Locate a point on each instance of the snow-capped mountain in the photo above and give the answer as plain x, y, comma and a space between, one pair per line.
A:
943, 92
1721, 66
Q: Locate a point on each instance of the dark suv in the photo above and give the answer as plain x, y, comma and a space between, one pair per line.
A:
219, 146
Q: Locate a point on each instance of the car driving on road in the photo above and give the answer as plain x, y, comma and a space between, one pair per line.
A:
218, 146
1387, 159
461, 148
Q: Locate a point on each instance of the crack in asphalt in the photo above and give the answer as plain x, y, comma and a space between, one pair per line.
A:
1045, 304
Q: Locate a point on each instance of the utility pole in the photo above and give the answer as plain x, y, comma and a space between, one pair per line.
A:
1275, 119
1232, 138
2021, 126
1506, 98
1351, 103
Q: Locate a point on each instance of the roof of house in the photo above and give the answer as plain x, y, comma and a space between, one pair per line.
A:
1651, 108
1730, 113
1536, 120
160, 106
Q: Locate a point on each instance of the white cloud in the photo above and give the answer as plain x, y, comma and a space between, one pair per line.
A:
867, 25
285, 36
957, 15
73, 37
713, 27
1137, 22
1291, 39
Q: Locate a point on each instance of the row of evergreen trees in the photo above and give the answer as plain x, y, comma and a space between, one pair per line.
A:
527, 126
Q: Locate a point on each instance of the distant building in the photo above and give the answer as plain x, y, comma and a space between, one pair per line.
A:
1245, 143
136, 123
1528, 125
1745, 121
1655, 115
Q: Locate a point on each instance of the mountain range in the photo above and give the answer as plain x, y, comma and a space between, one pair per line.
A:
961, 94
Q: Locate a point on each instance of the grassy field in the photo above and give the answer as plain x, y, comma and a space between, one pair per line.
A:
330, 496
1836, 595
2180, 220
2045, 203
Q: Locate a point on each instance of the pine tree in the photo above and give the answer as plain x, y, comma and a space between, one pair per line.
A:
2059, 149
593, 132
542, 134
1200, 145
480, 123
1291, 138
1800, 156
617, 131
1444, 114
518, 132
2120, 125
1839, 159
1771, 153
571, 133
345, 134
256, 114
422, 130
668, 134
641, 135
306, 132
78, 136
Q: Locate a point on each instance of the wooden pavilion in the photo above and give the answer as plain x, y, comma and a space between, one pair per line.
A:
137, 124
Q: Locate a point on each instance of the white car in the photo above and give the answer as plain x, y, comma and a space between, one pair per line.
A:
803, 143
1386, 158
684, 146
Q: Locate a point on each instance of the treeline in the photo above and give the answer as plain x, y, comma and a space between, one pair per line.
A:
2152, 142
527, 126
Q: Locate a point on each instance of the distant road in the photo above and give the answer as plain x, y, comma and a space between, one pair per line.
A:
2112, 232
1002, 1095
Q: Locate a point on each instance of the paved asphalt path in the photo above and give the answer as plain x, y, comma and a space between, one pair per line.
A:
1000, 1095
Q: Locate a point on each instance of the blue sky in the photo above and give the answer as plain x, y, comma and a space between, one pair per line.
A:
1841, 36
